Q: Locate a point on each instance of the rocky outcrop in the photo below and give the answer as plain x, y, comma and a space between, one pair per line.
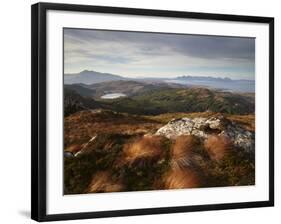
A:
204, 127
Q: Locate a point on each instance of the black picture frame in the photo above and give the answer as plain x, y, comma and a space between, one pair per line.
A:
39, 123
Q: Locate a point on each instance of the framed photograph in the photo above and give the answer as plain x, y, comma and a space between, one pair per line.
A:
139, 111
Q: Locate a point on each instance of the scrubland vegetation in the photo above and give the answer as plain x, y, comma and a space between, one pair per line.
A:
156, 100
135, 161
112, 144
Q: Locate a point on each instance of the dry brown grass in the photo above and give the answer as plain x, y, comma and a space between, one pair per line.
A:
217, 146
181, 178
246, 121
184, 145
183, 150
166, 117
102, 182
81, 126
147, 147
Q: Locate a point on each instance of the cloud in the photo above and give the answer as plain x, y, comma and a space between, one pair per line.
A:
153, 54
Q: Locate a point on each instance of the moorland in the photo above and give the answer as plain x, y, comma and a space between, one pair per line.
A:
150, 134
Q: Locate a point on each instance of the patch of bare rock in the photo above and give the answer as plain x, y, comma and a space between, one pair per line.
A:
204, 127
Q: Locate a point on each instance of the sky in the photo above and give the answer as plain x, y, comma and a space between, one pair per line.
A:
140, 54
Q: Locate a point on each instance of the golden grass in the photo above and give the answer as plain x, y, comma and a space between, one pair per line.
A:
144, 148
81, 126
217, 146
246, 121
182, 151
165, 118
183, 146
102, 182
181, 178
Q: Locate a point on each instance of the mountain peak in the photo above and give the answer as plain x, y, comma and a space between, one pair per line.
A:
85, 71
89, 77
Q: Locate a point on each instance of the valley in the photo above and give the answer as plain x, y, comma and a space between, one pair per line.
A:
156, 98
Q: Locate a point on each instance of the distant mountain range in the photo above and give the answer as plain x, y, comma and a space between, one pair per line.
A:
205, 78
226, 84
92, 77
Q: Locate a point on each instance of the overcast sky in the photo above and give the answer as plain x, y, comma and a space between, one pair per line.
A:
137, 54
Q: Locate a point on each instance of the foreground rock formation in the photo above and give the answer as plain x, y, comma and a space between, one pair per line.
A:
204, 127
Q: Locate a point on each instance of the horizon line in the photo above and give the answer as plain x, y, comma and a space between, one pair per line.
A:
153, 77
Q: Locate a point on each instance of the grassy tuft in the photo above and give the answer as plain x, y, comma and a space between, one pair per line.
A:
181, 178
217, 146
102, 181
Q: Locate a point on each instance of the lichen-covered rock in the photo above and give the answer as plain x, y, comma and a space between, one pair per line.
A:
204, 127
217, 123
176, 127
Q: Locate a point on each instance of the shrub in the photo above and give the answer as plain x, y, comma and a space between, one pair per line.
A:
236, 168
77, 173
99, 155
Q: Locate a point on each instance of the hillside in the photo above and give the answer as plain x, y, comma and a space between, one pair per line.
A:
153, 99
182, 100
81, 89
74, 102
127, 87
83, 125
